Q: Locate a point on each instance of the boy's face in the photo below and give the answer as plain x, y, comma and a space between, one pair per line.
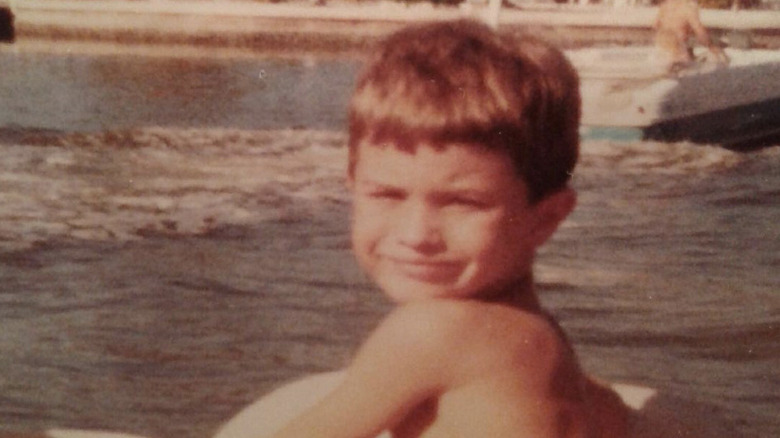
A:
449, 223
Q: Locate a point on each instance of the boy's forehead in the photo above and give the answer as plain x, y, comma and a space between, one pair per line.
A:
454, 162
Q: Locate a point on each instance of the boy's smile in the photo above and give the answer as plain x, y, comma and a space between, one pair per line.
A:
453, 222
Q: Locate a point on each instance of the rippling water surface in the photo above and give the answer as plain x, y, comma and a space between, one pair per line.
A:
156, 279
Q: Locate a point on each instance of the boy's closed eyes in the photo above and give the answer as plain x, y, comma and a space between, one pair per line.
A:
462, 199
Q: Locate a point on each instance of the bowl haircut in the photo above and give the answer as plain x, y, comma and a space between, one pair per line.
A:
459, 82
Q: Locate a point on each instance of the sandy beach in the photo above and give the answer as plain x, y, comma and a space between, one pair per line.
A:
231, 28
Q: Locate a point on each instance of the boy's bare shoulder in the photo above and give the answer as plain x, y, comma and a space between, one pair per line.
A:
473, 318
511, 366
483, 334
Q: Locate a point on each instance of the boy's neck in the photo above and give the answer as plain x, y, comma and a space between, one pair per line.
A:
519, 294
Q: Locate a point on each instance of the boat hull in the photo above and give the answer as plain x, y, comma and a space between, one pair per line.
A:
625, 95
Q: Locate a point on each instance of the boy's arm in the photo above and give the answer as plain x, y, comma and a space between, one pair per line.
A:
272, 412
395, 370
423, 350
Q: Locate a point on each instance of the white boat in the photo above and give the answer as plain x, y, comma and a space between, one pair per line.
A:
627, 94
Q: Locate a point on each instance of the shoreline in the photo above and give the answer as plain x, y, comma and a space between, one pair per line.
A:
340, 29
626, 96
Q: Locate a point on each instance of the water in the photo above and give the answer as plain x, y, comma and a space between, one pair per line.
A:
89, 93
161, 268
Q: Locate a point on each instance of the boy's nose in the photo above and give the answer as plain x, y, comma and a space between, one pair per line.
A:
419, 228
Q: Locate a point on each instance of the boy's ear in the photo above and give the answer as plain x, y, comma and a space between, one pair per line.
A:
349, 181
550, 212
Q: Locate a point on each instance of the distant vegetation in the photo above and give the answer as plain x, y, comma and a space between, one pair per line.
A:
715, 4
726, 4
434, 2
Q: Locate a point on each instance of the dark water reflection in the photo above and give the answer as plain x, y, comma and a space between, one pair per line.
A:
83, 93
170, 337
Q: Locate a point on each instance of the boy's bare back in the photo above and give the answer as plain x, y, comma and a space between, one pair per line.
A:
467, 369
503, 373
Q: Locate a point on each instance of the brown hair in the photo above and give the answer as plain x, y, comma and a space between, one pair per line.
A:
460, 82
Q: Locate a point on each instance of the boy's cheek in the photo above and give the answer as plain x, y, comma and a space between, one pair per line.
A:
479, 229
370, 214
367, 226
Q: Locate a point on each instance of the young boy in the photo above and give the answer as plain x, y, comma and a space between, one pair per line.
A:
461, 147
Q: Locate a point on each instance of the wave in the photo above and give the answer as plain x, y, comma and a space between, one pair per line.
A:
130, 184
125, 185
656, 157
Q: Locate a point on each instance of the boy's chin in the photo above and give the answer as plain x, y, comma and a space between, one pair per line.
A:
404, 291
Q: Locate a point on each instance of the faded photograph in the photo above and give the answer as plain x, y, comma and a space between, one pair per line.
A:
389, 218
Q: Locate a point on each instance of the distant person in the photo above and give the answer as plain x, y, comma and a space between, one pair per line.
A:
462, 144
677, 22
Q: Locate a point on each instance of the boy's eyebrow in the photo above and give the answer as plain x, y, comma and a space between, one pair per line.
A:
456, 190
370, 184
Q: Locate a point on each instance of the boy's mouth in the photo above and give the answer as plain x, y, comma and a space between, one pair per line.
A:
429, 271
